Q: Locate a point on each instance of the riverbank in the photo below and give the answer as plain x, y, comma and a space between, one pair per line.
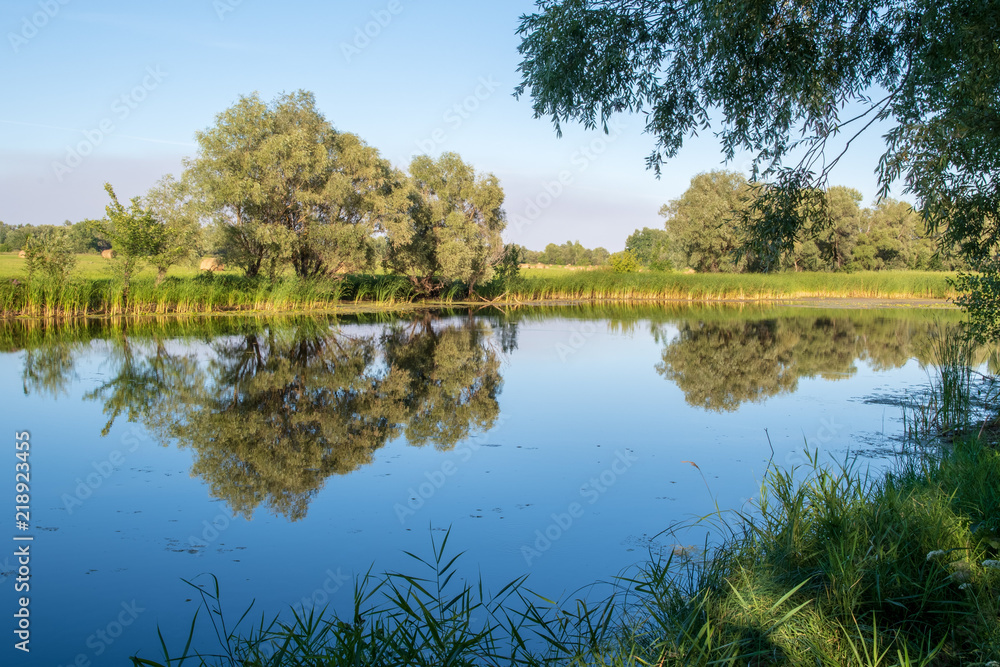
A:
210, 293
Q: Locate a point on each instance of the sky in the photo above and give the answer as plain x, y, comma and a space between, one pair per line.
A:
107, 90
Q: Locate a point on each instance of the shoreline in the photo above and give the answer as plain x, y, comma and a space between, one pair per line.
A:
352, 308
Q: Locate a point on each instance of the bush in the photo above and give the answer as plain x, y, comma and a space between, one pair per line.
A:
51, 255
624, 262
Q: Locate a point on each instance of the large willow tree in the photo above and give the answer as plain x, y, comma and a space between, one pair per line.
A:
286, 186
454, 229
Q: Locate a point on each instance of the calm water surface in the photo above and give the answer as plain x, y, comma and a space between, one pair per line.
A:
287, 456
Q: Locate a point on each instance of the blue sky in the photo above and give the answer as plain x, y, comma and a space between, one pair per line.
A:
129, 84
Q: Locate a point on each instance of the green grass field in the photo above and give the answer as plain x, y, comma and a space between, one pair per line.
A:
92, 289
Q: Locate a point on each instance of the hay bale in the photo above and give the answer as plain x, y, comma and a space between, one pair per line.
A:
107, 254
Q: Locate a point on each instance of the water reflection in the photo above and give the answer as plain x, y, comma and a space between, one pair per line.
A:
721, 364
271, 410
276, 410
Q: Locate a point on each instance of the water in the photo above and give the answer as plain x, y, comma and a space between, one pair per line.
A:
286, 457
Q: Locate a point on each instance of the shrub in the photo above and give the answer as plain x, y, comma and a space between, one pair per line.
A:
624, 262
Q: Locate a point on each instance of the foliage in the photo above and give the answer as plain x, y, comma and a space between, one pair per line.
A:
784, 79
624, 261
571, 253
507, 272
81, 236
700, 224
705, 231
135, 235
171, 203
51, 255
453, 230
286, 187
651, 248
979, 294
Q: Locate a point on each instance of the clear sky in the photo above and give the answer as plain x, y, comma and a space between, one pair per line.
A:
109, 90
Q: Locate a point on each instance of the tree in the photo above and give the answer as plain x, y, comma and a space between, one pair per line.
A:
651, 248
454, 225
171, 203
700, 224
85, 238
135, 234
286, 186
50, 252
784, 78
836, 238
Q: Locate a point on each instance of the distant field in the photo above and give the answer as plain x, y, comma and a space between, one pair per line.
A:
89, 266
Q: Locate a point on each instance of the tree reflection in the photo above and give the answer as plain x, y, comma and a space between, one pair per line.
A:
270, 412
452, 381
722, 364
49, 369
274, 412
144, 376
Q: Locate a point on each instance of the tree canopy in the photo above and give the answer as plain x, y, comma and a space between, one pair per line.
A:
781, 80
288, 187
704, 233
651, 247
453, 230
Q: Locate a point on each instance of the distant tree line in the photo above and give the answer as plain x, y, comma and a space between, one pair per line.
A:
645, 247
702, 232
570, 253
837, 234
274, 188
79, 237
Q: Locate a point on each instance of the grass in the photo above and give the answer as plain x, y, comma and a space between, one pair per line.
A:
187, 291
554, 284
832, 566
